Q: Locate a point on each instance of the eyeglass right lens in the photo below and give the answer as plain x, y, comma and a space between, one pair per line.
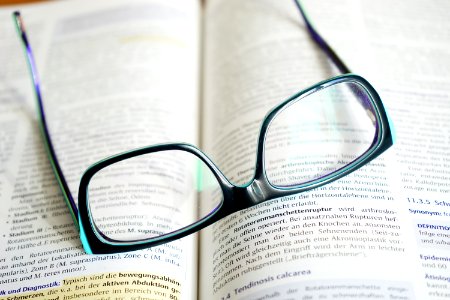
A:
152, 195
319, 134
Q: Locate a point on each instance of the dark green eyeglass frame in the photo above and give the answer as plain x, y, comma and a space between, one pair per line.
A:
235, 197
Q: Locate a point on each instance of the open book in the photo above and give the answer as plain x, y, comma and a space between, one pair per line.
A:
120, 75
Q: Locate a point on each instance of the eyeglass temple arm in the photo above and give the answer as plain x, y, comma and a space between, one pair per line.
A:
43, 123
321, 42
330, 52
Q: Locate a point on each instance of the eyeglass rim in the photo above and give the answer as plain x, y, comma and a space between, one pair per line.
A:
235, 197
382, 134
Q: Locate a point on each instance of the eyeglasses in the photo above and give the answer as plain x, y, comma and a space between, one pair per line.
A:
313, 138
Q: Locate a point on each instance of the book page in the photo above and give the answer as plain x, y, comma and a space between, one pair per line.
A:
380, 232
115, 76
408, 47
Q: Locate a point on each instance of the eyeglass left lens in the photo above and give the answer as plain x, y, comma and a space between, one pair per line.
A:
320, 134
152, 195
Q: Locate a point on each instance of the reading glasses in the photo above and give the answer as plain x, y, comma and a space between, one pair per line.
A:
311, 139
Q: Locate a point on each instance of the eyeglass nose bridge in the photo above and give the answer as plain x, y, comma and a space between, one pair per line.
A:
255, 193
247, 196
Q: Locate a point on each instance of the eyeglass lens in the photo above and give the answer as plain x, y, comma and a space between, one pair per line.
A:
319, 134
151, 195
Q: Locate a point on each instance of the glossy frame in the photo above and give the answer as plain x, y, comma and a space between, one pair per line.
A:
235, 197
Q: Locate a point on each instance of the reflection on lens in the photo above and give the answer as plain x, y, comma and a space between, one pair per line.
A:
319, 134
152, 195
